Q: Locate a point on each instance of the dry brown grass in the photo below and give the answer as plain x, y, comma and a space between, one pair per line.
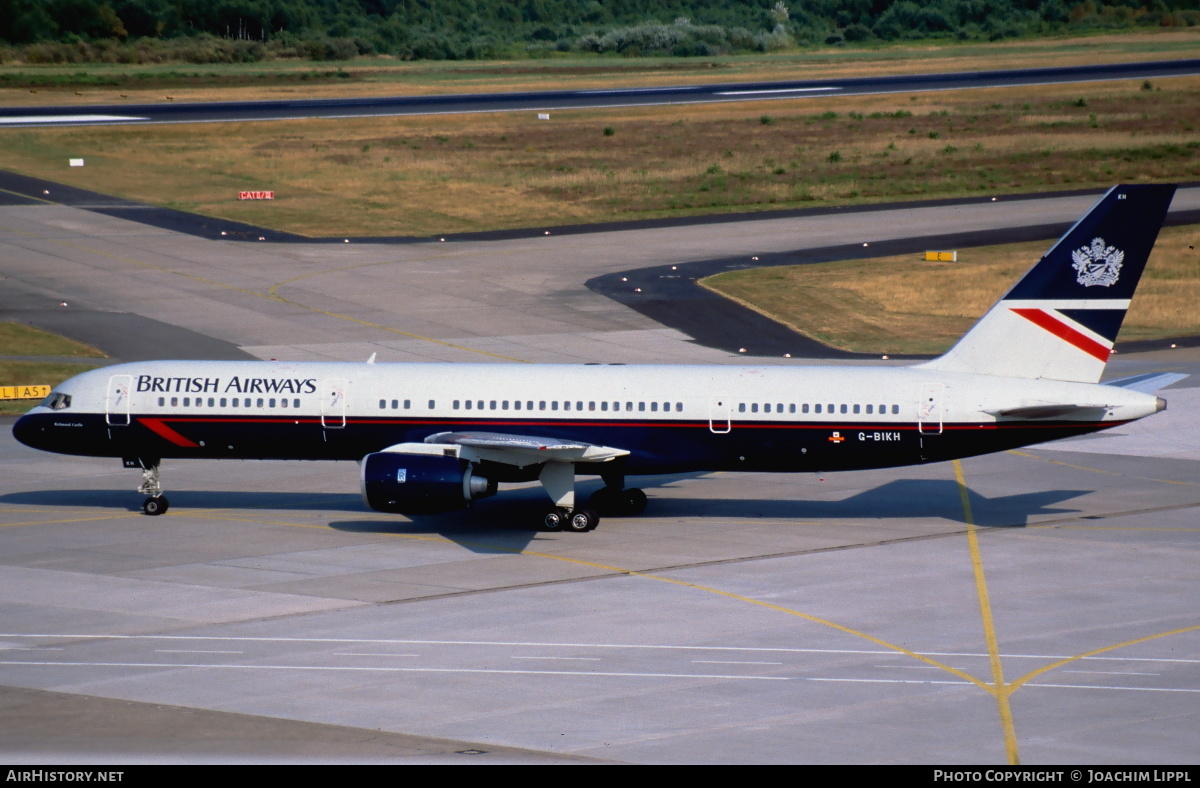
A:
903, 304
452, 173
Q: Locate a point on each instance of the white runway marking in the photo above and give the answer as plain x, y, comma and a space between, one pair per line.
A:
908, 667
329, 668
1106, 687
597, 674
46, 120
893, 681
581, 659
777, 90
542, 644
632, 90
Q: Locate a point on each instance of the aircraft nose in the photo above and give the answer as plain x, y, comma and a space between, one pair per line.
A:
27, 431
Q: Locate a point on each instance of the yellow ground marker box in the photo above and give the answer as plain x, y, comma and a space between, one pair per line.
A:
942, 257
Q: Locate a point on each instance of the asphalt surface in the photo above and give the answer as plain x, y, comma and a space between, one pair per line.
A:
171, 112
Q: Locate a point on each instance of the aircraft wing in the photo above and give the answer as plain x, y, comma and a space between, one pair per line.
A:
522, 450
1148, 383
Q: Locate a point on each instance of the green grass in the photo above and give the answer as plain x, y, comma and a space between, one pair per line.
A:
33, 373
17, 339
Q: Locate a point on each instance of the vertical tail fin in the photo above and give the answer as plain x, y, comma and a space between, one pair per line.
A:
1061, 319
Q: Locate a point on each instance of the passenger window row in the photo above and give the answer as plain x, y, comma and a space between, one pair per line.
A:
543, 405
779, 407
236, 402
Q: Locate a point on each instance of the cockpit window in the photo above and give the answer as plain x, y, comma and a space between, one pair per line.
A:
56, 400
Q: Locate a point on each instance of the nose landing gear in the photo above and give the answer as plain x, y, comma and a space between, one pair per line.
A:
157, 503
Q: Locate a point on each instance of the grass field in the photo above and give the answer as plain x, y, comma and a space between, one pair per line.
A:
903, 304
17, 339
453, 173
33, 373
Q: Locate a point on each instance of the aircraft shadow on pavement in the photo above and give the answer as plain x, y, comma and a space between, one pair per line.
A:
899, 498
506, 523
192, 499
511, 522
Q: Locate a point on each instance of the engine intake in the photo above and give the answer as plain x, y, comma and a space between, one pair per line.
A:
420, 483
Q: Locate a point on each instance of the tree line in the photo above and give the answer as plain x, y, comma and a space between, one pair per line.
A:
250, 30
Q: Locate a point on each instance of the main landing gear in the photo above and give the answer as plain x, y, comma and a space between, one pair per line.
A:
615, 501
157, 503
558, 478
575, 520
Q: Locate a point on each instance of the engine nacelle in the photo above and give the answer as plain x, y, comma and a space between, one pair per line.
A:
420, 483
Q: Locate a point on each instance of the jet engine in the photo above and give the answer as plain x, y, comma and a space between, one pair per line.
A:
420, 483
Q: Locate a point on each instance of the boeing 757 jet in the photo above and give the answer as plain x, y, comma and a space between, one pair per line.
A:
435, 437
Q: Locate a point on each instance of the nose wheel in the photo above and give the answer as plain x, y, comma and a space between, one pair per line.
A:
151, 486
155, 505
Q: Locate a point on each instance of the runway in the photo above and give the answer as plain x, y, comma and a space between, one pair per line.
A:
212, 112
883, 616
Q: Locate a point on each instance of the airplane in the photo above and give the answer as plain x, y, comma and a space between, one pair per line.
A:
434, 437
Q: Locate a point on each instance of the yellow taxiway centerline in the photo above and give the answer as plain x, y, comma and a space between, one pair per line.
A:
998, 687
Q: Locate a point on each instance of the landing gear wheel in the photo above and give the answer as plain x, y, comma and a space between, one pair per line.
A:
606, 501
554, 520
635, 501
615, 502
581, 521
155, 506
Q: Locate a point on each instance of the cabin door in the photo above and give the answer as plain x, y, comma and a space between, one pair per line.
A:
718, 415
116, 402
333, 403
930, 408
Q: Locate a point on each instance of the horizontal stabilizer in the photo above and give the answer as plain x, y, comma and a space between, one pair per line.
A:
1149, 382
